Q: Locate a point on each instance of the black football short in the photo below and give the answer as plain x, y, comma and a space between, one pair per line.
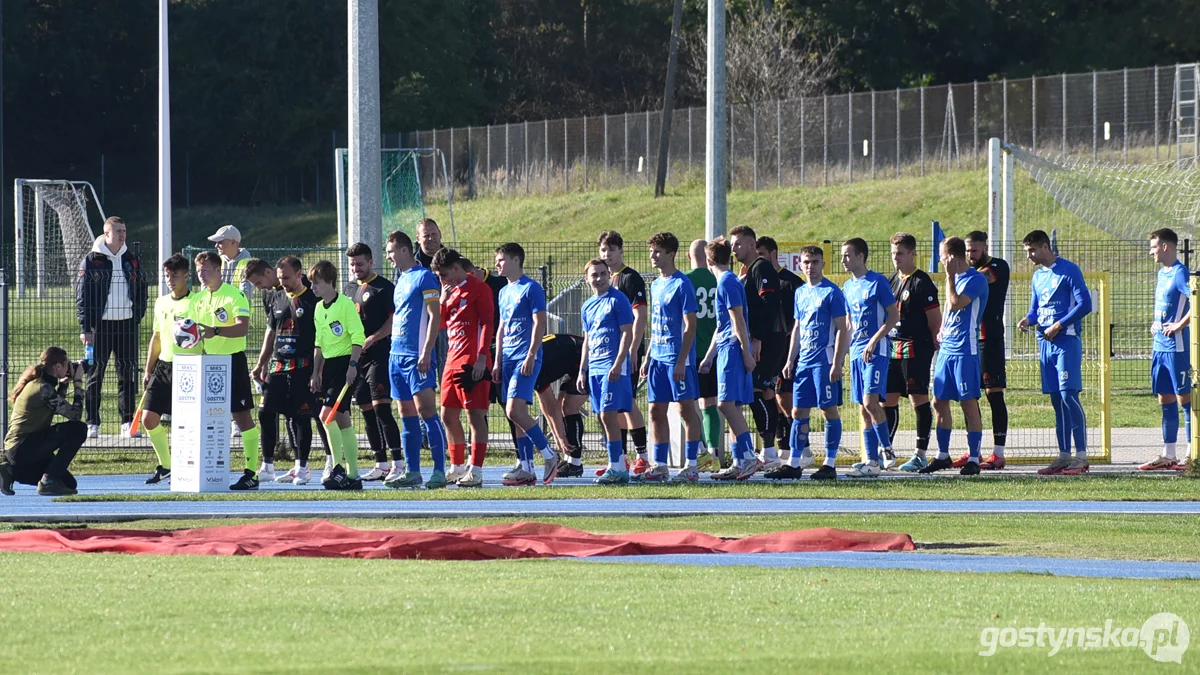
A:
708, 382
992, 364
911, 375
289, 393
783, 385
333, 378
372, 384
242, 398
635, 374
159, 394
560, 366
770, 363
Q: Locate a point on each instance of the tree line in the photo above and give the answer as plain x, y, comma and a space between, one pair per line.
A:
257, 86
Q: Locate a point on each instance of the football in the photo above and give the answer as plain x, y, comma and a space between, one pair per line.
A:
187, 334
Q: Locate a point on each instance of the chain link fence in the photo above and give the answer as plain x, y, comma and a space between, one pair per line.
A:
1126, 115
33, 322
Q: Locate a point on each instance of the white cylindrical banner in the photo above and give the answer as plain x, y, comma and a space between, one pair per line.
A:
200, 423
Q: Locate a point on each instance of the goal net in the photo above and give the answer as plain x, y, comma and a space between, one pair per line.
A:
1124, 201
52, 232
408, 176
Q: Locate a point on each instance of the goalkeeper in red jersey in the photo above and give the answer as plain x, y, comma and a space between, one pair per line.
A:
468, 313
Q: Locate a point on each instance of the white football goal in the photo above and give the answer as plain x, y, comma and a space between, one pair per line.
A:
53, 231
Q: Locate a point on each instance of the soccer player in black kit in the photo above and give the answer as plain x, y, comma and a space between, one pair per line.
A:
291, 335
560, 361
630, 282
912, 345
788, 283
373, 296
769, 342
991, 351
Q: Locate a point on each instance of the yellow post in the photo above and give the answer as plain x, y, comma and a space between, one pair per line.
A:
1194, 441
862, 435
1105, 320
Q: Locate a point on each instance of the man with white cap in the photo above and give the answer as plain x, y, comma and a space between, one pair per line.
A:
233, 259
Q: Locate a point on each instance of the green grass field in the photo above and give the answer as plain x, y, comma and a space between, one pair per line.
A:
873, 210
114, 613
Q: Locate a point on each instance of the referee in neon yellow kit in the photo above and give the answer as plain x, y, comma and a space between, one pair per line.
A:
223, 315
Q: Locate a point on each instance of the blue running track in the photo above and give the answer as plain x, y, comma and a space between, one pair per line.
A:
28, 506
45, 510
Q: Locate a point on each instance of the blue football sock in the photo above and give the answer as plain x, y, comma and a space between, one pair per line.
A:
1170, 422
615, 450
833, 440
745, 442
1078, 421
974, 439
943, 443
410, 440
1061, 425
692, 448
799, 440
525, 449
871, 442
437, 441
538, 437
1187, 422
662, 453
884, 434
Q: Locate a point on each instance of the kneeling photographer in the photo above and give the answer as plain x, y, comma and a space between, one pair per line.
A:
37, 452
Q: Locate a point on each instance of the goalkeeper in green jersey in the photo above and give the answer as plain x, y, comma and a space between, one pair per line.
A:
706, 324
335, 368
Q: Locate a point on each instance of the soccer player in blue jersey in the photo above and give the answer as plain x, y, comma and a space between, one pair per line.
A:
611, 249
816, 355
519, 344
873, 313
956, 371
1170, 365
670, 368
412, 364
731, 354
1057, 305
604, 371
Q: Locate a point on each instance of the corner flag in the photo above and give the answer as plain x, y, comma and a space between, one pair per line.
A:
937, 236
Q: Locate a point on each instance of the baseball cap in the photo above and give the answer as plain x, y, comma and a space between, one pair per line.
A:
226, 232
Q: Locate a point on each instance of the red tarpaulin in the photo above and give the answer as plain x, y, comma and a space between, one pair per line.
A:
323, 539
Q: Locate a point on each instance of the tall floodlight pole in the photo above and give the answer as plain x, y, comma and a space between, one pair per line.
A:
164, 145
716, 146
364, 193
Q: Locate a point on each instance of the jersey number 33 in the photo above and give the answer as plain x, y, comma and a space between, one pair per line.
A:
706, 303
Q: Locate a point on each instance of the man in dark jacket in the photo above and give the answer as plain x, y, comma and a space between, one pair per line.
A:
110, 301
